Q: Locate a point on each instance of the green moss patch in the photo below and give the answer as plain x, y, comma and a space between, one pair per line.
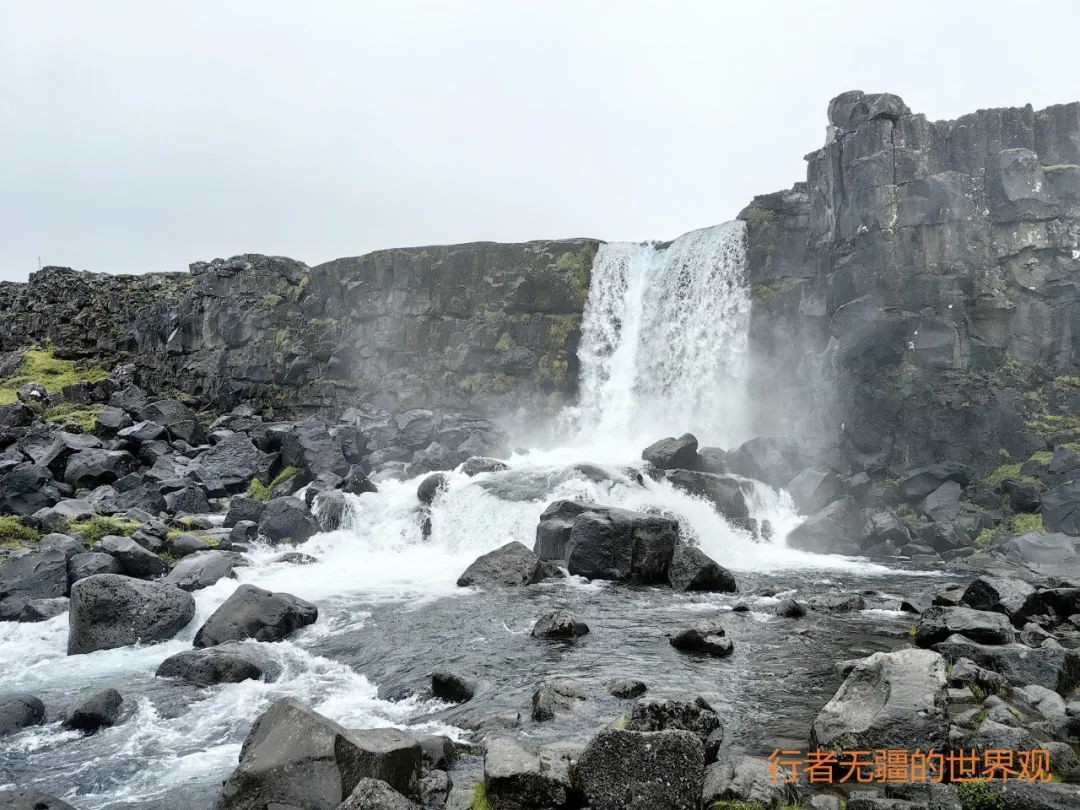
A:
83, 415
13, 533
99, 526
43, 367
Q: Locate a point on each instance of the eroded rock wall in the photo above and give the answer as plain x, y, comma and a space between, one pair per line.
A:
918, 297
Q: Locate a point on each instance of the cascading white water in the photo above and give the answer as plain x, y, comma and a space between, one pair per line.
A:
664, 339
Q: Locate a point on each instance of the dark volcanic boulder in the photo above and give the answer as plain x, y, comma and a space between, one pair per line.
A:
481, 464
621, 545
1052, 667
938, 623
1000, 594
37, 575
635, 770
233, 462
814, 488
839, 528
86, 565
190, 500
559, 625
254, 613
375, 794
99, 710
294, 757
110, 610
287, 520
309, 446
889, 700
242, 507
553, 530
135, 561
230, 662
696, 716
919, 483
514, 777
693, 570
739, 779
707, 636
30, 800
201, 570
19, 710
26, 489
430, 487
512, 564
177, 418
673, 454
772, 460
1061, 508
391, 755
726, 492
452, 688
90, 468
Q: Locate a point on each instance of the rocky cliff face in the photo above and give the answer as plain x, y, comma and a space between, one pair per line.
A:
484, 326
921, 290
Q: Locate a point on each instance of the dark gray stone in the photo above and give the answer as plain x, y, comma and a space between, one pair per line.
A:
1053, 667
559, 625
693, 570
233, 462
695, 716
18, 710
230, 662
97, 711
839, 528
287, 520
938, 623
26, 489
201, 570
725, 492
89, 563
452, 688
90, 468
37, 575
672, 453
707, 637
510, 565
375, 794
135, 561
30, 800
110, 610
1061, 508
252, 612
634, 770
514, 777
241, 508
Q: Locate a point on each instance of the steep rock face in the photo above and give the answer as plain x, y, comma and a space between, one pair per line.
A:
921, 289
479, 326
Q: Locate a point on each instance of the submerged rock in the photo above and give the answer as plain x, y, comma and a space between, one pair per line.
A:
452, 688
693, 570
229, 662
19, 710
510, 565
559, 625
707, 637
100, 710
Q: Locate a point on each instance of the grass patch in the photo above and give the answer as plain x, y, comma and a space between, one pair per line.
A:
913, 630
99, 526
13, 533
479, 798
984, 538
1003, 474
42, 366
621, 723
1022, 524
506, 342
83, 415
283, 476
258, 491
978, 796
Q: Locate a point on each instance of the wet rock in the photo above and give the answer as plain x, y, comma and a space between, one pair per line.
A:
999, 594
790, 609
621, 545
889, 700
672, 453
634, 770
430, 487
37, 575
439, 752
287, 520
39, 610
965, 673
514, 777
391, 755
452, 688
18, 799
480, 464
89, 563
839, 528
626, 689
559, 625
707, 637
187, 544
18, 710
739, 778
332, 510
230, 662
693, 570
252, 612
814, 488
556, 523
375, 794
295, 757
511, 565
435, 787
110, 610
244, 531
838, 603
938, 623
201, 570
241, 508
99, 710
135, 561
556, 696
190, 500
1050, 666
695, 716
725, 492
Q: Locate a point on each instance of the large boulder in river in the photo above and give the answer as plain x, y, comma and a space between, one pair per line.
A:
839, 528
640, 770
37, 575
295, 757
607, 543
814, 488
252, 612
96, 711
672, 453
110, 610
201, 570
726, 492
511, 565
287, 520
230, 662
693, 570
938, 623
706, 636
889, 700
18, 710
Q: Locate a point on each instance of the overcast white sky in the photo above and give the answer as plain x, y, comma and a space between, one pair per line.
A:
145, 135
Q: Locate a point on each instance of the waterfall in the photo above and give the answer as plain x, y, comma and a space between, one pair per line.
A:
664, 339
